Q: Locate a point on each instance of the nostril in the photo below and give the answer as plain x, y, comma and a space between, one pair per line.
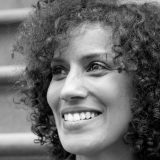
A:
77, 97
72, 98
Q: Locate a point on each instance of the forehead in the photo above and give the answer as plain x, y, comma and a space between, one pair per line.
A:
87, 39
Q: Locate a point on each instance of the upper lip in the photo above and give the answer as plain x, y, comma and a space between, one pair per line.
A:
75, 109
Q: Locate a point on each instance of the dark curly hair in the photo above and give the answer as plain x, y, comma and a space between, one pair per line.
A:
136, 37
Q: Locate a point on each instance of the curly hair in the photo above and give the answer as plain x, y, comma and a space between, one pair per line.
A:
136, 38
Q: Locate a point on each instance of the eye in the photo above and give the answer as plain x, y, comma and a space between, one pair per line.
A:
59, 72
98, 68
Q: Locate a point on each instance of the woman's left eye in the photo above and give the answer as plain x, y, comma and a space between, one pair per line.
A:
97, 66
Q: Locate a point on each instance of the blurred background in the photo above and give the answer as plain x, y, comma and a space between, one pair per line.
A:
16, 139
12, 12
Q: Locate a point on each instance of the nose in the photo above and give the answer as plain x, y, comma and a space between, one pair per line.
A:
73, 88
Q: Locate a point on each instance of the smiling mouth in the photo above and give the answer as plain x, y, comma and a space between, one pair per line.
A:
80, 116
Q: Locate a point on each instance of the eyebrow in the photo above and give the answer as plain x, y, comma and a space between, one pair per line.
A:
89, 56
94, 56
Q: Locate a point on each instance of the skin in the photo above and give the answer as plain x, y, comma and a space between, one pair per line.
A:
84, 76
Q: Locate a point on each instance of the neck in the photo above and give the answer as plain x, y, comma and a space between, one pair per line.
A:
121, 152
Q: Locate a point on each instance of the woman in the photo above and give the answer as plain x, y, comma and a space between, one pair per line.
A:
95, 66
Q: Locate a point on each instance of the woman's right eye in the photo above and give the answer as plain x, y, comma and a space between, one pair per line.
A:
59, 72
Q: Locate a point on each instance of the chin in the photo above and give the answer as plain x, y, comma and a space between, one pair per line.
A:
80, 148
90, 144
84, 144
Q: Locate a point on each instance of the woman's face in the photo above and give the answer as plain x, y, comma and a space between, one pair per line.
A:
89, 99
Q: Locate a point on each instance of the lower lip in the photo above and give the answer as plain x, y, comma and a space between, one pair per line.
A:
72, 126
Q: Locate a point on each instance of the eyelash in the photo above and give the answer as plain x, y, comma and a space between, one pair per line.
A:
100, 65
59, 71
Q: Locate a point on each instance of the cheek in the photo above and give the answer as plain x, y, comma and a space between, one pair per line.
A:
113, 92
110, 89
53, 97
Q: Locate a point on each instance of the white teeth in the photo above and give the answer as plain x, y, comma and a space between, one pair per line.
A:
82, 116
72, 117
76, 117
66, 117
88, 115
